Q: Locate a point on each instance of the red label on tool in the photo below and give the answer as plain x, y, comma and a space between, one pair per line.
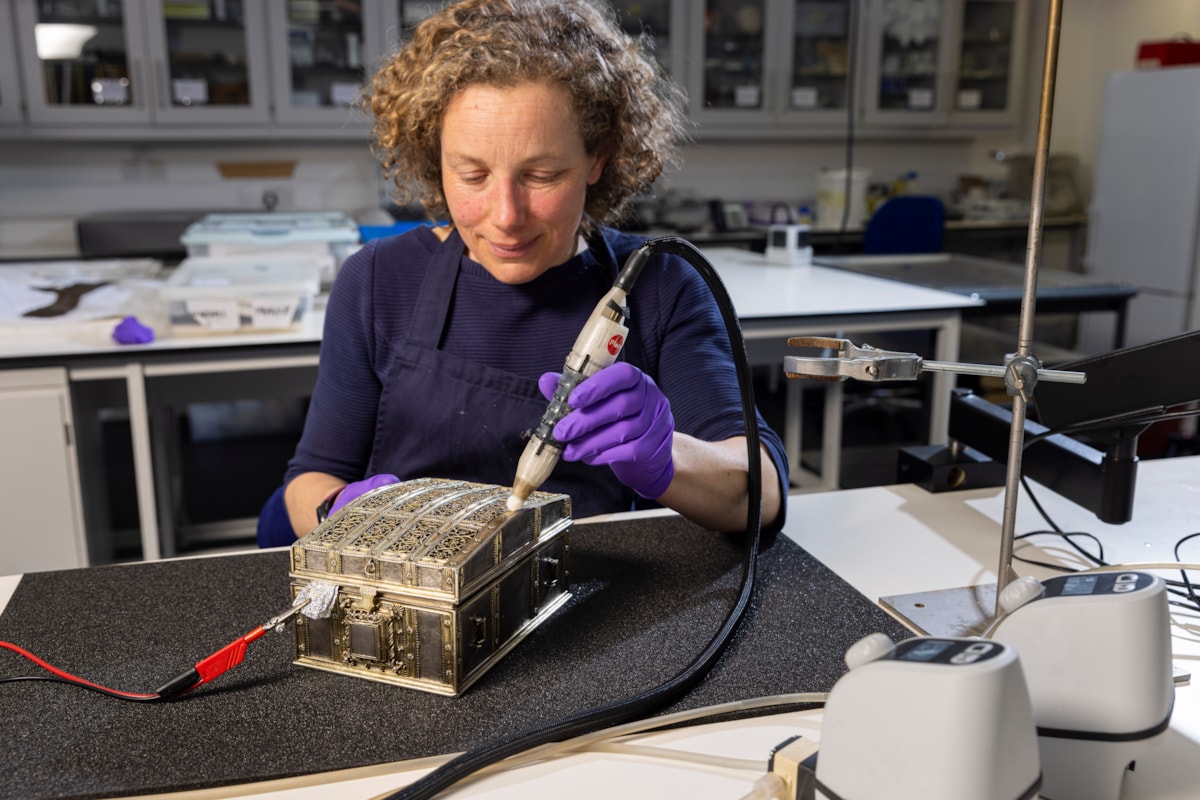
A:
614, 344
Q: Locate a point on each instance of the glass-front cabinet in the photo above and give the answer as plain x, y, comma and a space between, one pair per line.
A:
206, 61
296, 68
81, 62
173, 64
944, 62
661, 19
820, 53
321, 53
144, 61
992, 39
761, 65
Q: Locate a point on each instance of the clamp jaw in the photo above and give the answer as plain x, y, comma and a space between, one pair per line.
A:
864, 363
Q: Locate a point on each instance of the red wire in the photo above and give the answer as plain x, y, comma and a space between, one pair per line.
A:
68, 676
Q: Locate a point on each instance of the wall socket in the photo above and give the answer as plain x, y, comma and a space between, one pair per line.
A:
266, 197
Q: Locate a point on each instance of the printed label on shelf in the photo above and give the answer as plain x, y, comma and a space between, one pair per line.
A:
343, 93
746, 96
920, 99
970, 99
804, 97
110, 91
189, 92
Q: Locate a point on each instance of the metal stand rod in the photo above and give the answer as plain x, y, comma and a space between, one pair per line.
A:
1016, 439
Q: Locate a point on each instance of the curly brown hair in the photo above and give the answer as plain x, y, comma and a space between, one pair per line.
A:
625, 105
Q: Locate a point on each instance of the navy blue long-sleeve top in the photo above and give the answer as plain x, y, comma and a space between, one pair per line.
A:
676, 336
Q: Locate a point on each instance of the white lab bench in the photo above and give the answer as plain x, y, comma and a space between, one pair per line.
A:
84, 370
882, 540
88, 375
776, 302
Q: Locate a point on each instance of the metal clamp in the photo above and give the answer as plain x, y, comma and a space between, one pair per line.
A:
868, 363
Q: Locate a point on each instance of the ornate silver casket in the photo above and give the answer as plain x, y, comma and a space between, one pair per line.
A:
436, 581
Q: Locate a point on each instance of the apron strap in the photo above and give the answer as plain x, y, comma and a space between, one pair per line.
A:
437, 289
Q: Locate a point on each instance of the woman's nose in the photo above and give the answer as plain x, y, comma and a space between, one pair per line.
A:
508, 206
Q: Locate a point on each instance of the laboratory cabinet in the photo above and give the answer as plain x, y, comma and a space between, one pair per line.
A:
813, 67
39, 480
758, 66
179, 69
162, 69
956, 64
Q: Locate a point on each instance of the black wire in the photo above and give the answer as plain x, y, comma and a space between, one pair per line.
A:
645, 703
1139, 417
1066, 535
1187, 583
99, 689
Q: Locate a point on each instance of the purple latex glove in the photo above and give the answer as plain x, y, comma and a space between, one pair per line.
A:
131, 331
357, 489
621, 418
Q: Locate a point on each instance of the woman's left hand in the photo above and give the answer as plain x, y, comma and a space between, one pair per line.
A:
621, 418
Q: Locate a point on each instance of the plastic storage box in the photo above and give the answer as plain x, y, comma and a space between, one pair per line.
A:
206, 296
325, 237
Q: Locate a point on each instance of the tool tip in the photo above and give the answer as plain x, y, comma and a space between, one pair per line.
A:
514, 502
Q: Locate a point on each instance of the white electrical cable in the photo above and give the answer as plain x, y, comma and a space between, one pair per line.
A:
1140, 565
768, 787
579, 743
673, 754
610, 735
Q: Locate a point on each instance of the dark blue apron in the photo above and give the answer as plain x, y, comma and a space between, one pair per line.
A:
444, 417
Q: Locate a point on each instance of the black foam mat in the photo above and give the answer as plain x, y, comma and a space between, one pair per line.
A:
647, 596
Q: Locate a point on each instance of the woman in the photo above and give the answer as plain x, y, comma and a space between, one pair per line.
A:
528, 124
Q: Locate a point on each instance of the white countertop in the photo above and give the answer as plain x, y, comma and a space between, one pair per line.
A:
759, 289
95, 338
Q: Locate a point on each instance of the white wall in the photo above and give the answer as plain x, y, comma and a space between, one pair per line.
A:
45, 186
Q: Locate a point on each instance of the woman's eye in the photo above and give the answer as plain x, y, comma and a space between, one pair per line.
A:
542, 177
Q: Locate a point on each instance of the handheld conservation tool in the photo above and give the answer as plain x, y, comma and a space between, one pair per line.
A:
596, 347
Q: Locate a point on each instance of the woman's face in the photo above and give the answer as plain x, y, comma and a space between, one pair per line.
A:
515, 173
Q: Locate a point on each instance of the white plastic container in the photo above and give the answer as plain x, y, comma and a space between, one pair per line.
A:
831, 199
213, 296
327, 238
